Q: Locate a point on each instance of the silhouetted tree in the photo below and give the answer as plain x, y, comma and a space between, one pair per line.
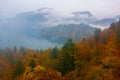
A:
32, 63
54, 52
15, 49
19, 69
97, 33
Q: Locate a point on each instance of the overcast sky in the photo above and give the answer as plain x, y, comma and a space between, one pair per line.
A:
99, 8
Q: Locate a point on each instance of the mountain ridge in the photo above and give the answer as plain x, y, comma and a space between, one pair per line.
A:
45, 17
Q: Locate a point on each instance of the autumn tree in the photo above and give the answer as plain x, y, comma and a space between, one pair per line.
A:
116, 73
40, 73
118, 34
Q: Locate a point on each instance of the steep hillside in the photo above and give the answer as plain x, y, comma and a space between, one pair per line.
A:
61, 33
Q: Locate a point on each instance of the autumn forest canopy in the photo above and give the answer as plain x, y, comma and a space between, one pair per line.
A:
59, 40
93, 58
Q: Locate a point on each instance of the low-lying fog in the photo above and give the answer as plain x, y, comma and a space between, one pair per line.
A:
15, 36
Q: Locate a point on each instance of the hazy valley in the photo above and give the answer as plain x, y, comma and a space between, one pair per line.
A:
37, 28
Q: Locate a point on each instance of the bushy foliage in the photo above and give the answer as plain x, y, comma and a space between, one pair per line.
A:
95, 58
40, 73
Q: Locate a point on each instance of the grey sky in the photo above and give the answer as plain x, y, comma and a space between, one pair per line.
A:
100, 8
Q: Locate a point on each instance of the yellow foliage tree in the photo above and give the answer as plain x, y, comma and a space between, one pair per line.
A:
40, 73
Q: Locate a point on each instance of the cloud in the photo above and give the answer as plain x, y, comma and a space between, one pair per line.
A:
100, 8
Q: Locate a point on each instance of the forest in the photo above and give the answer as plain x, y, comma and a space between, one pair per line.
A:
94, 58
61, 33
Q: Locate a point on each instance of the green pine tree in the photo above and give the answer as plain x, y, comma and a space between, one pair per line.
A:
19, 69
66, 58
32, 63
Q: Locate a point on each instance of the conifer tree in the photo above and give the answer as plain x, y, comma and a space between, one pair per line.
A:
66, 58
32, 63
19, 69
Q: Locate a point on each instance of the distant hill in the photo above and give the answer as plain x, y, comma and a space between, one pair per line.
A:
52, 26
45, 17
61, 33
105, 21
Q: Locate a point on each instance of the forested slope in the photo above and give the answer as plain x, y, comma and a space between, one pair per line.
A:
95, 58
